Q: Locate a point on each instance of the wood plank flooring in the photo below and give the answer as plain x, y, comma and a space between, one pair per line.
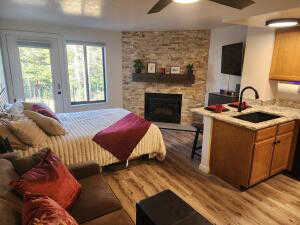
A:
276, 201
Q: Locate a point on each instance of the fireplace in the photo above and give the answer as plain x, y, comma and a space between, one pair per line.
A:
163, 107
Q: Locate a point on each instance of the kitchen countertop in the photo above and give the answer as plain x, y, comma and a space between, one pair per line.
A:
288, 114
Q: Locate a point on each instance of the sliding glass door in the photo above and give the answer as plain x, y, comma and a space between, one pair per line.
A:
35, 70
35, 59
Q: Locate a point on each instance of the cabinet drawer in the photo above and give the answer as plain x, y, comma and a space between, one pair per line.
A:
266, 133
286, 128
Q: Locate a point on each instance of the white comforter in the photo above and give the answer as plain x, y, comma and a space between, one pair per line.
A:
77, 146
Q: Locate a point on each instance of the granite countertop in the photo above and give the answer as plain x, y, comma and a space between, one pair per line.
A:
288, 114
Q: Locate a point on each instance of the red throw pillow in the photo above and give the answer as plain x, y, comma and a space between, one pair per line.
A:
44, 111
42, 210
51, 178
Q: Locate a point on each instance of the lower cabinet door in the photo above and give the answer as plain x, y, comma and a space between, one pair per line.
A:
262, 159
281, 153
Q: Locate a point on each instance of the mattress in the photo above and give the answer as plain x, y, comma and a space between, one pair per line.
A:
78, 147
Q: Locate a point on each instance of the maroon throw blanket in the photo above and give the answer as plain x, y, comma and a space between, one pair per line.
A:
123, 136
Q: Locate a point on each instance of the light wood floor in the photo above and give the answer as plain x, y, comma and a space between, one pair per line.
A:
276, 201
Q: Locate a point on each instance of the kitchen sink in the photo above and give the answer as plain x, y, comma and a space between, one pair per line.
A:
257, 117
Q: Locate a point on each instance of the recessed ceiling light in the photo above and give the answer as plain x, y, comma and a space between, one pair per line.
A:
185, 1
279, 23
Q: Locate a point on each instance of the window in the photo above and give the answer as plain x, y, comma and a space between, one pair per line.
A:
86, 69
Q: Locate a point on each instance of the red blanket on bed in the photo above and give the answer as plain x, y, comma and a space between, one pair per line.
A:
123, 136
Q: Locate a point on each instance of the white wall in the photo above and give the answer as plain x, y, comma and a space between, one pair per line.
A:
111, 39
257, 65
257, 62
220, 37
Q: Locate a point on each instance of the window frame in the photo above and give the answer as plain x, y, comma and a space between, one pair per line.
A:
85, 44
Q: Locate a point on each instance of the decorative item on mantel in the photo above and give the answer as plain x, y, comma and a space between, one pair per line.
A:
151, 68
190, 69
162, 71
175, 70
138, 66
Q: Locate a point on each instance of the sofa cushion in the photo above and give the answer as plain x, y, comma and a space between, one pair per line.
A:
95, 200
13, 140
119, 217
51, 178
7, 174
8, 214
42, 210
22, 165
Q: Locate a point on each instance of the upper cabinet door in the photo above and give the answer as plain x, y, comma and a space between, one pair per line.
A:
286, 55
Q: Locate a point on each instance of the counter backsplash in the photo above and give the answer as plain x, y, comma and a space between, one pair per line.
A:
279, 102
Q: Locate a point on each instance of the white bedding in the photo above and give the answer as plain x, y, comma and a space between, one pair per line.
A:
77, 146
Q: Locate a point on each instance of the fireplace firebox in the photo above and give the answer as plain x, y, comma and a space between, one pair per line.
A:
163, 107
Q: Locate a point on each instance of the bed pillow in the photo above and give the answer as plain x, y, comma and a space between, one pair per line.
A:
48, 125
15, 143
50, 178
42, 210
40, 108
28, 105
28, 132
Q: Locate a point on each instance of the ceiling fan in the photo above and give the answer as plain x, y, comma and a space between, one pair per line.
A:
237, 4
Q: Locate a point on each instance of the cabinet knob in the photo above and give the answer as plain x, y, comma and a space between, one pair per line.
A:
276, 142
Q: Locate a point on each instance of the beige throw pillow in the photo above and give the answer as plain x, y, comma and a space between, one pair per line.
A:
28, 132
49, 125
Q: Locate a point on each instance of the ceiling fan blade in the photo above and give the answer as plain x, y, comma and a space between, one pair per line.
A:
237, 4
160, 5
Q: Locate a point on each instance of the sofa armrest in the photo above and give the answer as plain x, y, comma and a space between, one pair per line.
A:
84, 170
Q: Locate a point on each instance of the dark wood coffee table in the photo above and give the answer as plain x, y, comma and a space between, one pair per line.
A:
166, 208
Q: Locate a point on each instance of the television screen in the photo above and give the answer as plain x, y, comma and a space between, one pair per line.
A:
232, 59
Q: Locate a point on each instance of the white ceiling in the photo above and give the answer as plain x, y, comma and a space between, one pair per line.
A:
129, 15
260, 20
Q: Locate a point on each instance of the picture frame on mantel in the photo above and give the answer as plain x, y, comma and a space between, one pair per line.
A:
151, 68
175, 70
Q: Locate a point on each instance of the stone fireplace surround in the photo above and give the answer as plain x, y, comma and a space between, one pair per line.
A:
166, 48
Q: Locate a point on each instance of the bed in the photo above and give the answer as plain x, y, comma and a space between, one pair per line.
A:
77, 146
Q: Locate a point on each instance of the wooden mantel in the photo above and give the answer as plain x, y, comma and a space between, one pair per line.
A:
164, 78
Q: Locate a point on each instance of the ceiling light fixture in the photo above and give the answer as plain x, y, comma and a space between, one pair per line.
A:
280, 23
185, 1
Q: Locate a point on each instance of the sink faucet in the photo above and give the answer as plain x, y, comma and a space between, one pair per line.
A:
241, 96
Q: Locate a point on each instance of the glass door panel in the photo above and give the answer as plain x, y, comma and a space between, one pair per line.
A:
76, 70
3, 89
96, 76
37, 74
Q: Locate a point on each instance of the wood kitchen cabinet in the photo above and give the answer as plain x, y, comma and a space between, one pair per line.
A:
281, 153
286, 55
262, 160
244, 157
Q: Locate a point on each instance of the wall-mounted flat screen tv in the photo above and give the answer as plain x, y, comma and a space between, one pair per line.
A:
232, 59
